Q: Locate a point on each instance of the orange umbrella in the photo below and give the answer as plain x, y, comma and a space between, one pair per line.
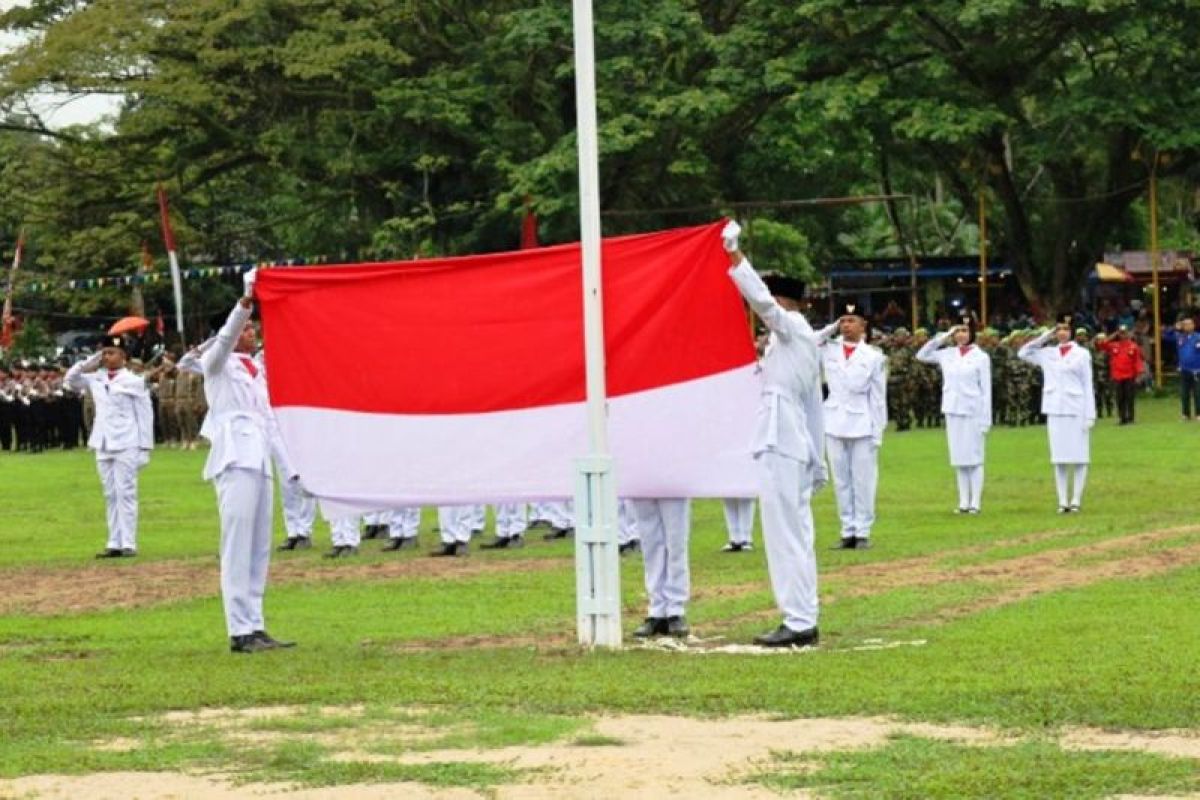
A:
128, 325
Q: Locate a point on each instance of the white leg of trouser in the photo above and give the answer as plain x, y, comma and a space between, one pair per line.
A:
454, 524
664, 526
963, 476
299, 509
787, 527
627, 530
346, 531
477, 517
510, 520
1060, 483
561, 513
244, 501
976, 487
1081, 472
118, 475
404, 523
739, 519
840, 468
538, 513
864, 469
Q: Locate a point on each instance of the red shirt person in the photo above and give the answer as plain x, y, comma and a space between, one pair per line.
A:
1125, 366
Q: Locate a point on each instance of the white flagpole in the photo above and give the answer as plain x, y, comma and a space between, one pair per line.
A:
598, 585
173, 261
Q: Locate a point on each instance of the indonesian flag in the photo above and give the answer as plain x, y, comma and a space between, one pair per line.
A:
462, 379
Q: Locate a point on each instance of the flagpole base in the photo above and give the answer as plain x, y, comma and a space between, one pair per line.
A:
597, 562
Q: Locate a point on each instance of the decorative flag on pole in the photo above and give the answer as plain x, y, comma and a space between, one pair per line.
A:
7, 322
462, 379
160, 326
172, 259
529, 236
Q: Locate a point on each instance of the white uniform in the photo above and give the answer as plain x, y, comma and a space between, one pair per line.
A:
627, 529
244, 440
454, 523
1069, 403
786, 446
404, 523
122, 437
664, 526
739, 519
855, 416
346, 531
511, 520
967, 405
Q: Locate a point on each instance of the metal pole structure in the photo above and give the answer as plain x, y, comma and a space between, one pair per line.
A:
983, 268
597, 567
1154, 272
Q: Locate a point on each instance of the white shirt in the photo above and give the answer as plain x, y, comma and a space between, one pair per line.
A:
1066, 379
789, 417
857, 401
124, 416
239, 424
966, 378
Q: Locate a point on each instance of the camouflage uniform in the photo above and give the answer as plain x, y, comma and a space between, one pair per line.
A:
926, 388
1102, 382
900, 364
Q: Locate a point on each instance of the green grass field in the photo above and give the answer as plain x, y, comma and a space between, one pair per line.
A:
1022, 625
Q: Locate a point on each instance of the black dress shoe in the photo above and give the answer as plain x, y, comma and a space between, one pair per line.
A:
266, 639
451, 550
632, 546
503, 543
247, 644
677, 627
1072, 509
862, 544
653, 626
374, 531
111, 552
783, 636
289, 543
847, 543
737, 547
342, 551
559, 533
1063, 510
405, 543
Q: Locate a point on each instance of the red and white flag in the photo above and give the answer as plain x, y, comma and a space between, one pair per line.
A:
462, 379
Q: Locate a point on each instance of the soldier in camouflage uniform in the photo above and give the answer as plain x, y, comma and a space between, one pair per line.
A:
926, 387
900, 364
190, 406
1102, 382
166, 377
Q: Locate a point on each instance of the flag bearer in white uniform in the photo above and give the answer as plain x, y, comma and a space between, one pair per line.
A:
403, 526
244, 439
664, 526
511, 523
786, 446
1069, 404
739, 524
454, 525
122, 436
346, 534
855, 416
967, 405
299, 513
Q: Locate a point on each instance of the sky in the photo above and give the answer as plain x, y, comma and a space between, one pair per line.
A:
58, 110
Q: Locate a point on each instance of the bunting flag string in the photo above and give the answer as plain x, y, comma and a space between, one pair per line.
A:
139, 279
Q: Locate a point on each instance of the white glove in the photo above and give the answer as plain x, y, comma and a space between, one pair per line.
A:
729, 236
248, 279
143, 458
1087, 424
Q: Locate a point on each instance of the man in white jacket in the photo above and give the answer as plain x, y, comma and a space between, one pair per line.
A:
122, 436
244, 439
786, 446
855, 417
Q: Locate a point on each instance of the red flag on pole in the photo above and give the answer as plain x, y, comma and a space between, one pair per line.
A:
7, 323
529, 237
160, 325
164, 213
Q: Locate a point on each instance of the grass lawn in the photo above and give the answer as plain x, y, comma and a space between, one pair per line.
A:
1018, 621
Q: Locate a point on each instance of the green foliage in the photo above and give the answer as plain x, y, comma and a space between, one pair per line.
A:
32, 341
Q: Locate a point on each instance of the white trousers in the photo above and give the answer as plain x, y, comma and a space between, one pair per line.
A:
664, 526
855, 469
787, 527
345, 531
970, 486
118, 476
627, 529
299, 509
245, 502
510, 519
454, 523
739, 519
404, 523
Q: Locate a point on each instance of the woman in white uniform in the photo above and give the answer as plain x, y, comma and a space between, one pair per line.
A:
1069, 405
966, 404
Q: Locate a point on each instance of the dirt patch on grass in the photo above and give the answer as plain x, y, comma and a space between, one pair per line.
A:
622, 756
130, 584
